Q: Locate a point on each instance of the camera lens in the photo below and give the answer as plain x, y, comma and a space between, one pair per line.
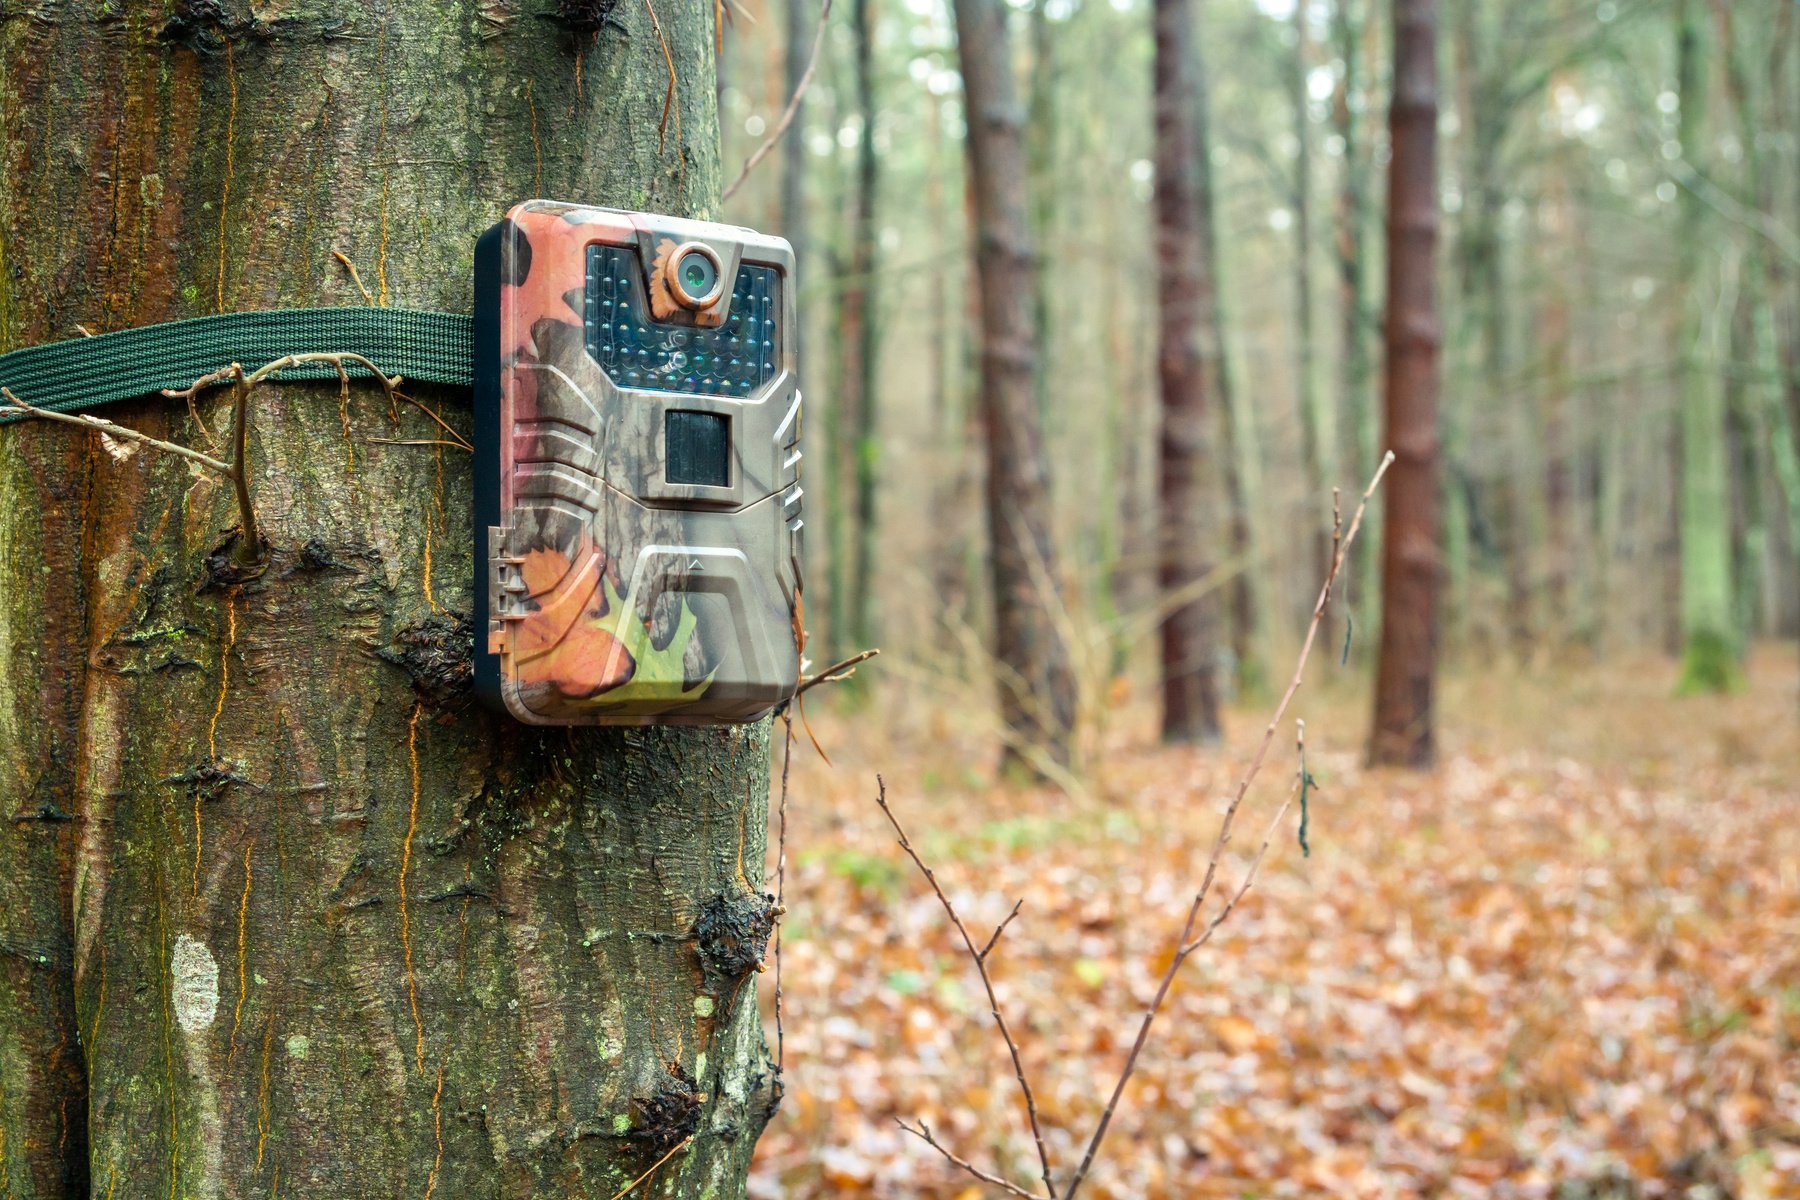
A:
696, 277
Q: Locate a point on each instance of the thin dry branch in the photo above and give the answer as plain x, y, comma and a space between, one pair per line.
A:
355, 275
787, 114
240, 463
669, 98
1000, 929
837, 671
112, 430
673, 1150
1188, 942
979, 957
455, 439
923, 1132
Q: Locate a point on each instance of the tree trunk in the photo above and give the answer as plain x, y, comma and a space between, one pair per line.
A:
1318, 455
1189, 684
1037, 689
1040, 162
1709, 646
1240, 462
797, 45
859, 329
281, 913
1407, 664
1359, 429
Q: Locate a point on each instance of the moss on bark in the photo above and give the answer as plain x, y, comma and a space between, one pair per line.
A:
290, 918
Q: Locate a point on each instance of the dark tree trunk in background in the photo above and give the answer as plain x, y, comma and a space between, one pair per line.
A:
1407, 663
859, 317
1037, 688
1189, 685
279, 915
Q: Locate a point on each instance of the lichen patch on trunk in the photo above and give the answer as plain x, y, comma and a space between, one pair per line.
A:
194, 986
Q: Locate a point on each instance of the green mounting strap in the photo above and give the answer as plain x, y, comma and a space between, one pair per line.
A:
64, 376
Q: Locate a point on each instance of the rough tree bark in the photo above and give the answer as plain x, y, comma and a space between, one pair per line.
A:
280, 913
1407, 663
1037, 688
1189, 683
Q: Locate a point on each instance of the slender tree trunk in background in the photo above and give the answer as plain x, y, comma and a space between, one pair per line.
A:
1784, 281
858, 333
1189, 685
1755, 89
282, 915
1040, 159
1502, 422
1556, 344
1359, 430
1709, 644
1746, 442
949, 575
1407, 665
797, 44
1318, 453
1037, 688
1240, 460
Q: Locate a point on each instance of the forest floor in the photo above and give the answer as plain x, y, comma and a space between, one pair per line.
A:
1565, 963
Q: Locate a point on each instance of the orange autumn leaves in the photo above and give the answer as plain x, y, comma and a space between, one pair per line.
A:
564, 640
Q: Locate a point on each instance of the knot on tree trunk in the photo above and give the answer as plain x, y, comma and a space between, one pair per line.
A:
668, 1116
438, 654
200, 25
733, 933
586, 16
207, 781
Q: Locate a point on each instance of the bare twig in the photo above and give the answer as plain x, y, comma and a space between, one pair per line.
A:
118, 431
1256, 860
838, 671
240, 462
923, 1132
1000, 929
979, 957
787, 114
355, 275
456, 439
1188, 942
669, 99
627, 1189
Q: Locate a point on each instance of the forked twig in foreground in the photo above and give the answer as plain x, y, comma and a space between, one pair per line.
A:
1193, 934
1188, 943
922, 1131
980, 959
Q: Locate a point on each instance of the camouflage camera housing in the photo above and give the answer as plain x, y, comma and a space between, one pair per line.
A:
637, 469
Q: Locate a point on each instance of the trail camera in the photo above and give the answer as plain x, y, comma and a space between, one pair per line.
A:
637, 468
